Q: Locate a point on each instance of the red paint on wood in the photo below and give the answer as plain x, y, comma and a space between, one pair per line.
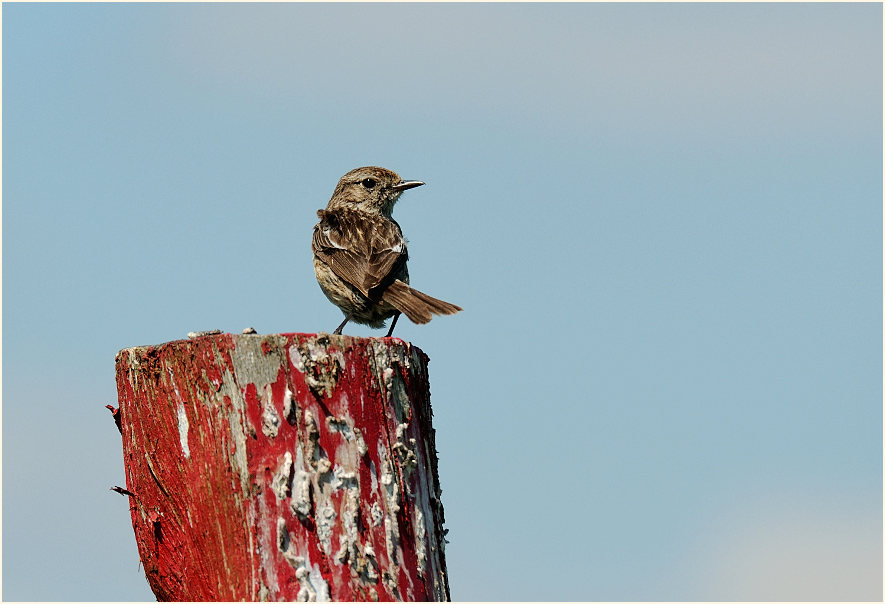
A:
115, 413
283, 467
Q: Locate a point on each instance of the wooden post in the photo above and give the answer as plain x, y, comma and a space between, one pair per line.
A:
283, 467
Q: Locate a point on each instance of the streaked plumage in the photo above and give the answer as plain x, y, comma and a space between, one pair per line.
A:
360, 254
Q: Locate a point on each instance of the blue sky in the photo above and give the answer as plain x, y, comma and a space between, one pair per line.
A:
664, 223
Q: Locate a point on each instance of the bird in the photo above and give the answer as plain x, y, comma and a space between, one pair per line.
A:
359, 253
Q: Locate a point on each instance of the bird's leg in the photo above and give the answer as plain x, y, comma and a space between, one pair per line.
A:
343, 323
392, 325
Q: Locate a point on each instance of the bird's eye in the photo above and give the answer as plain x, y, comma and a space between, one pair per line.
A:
369, 183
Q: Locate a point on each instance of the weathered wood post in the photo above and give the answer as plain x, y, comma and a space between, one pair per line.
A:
283, 467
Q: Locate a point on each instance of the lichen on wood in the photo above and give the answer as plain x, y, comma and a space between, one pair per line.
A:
283, 467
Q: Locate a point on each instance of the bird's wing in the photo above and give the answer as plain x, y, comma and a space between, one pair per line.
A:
367, 252
387, 258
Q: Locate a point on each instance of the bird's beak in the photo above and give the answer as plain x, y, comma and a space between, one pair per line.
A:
406, 184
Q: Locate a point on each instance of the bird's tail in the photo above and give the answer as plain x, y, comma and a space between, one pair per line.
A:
418, 306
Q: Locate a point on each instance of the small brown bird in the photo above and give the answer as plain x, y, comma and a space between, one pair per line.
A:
359, 253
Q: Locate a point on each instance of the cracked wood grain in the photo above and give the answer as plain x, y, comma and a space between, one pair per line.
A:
283, 467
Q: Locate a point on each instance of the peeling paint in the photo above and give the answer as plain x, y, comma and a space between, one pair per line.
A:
290, 408
313, 452
300, 502
270, 419
340, 425
284, 543
182, 431
316, 453
361, 446
282, 480
325, 523
313, 587
321, 366
420, 540
389, 481
236, 415
264, 575
249, 363
376, 514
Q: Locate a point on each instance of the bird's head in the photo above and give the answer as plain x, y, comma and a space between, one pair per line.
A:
371, 189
